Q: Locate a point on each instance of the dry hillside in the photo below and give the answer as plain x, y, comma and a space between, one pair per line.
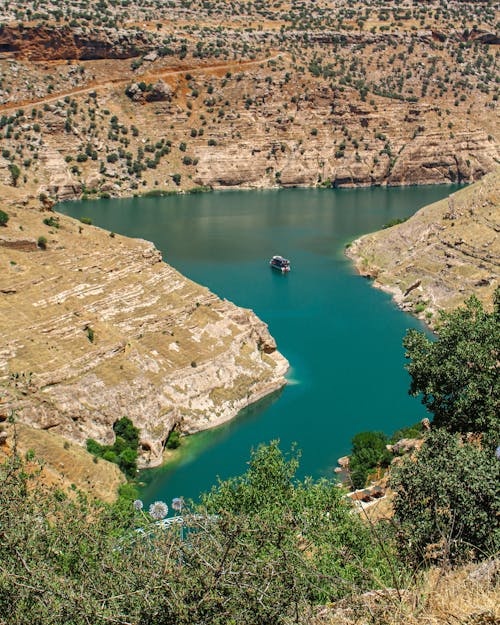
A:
95, 326
123, 98
443, 254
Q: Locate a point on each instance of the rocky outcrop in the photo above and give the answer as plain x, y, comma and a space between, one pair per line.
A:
97, 326
50, 42
446, 252
160, 91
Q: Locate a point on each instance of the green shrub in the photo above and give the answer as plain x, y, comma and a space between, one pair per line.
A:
395, 222
448, 501
4, 218
86, 220
368, 452
95, 448
457, 375
276, 548
173, 440
53, 222
125, 429
42, 243
123, 451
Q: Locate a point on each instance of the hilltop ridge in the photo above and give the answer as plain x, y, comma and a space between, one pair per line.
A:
126, 99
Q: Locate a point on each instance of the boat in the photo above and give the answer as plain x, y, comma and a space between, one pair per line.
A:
280, 263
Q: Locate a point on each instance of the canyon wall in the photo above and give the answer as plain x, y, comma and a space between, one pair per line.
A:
97, 326
442, 255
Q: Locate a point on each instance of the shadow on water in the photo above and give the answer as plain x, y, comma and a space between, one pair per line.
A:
203, 441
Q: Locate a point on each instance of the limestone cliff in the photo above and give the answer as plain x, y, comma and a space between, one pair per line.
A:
96, 326
443, 254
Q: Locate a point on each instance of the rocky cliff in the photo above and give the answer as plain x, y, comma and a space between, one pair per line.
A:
443, 254
46, 42
97, 326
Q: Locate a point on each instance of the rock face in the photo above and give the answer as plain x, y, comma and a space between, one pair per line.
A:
442, 255
44, 43
97, 326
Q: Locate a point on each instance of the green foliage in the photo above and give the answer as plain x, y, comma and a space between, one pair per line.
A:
15, 172
395, 222
276, 548
53, 222
457, 374
173, 440
42, 243
125, 429
368, 452
4, 218
95, 448
123, 451
410, 431
86, 220
307, 517
448, 500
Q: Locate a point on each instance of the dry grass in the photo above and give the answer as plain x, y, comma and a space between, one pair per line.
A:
66, 465
442, 597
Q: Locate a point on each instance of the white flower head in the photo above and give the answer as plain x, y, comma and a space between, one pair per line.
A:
177, 503
158, 510
138, 505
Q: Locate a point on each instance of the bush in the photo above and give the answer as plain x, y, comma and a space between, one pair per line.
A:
86, 220
53, 222
448, 500
275, 548
4, 218
457, 374
15, 172
123, 451
42, 243
368, 452
173, 440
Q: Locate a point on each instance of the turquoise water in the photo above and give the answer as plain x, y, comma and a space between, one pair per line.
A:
342, 338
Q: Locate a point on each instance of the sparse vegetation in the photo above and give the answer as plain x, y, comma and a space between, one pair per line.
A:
4, 218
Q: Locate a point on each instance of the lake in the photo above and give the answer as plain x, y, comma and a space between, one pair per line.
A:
342, 337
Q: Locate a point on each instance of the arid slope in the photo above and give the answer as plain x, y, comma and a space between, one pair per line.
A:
443, 254
96, 326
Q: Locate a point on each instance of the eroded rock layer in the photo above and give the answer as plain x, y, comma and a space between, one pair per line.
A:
96, 326
443, 254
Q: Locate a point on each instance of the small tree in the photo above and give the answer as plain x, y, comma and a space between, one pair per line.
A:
15, 172
448, 500
368, 452
457, 374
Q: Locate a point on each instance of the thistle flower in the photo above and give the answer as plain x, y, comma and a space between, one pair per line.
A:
177, 503
158, 510
138, 505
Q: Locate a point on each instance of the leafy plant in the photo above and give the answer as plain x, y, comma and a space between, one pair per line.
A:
4, 218
368, 452
123, 451
457, 374
448, 500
